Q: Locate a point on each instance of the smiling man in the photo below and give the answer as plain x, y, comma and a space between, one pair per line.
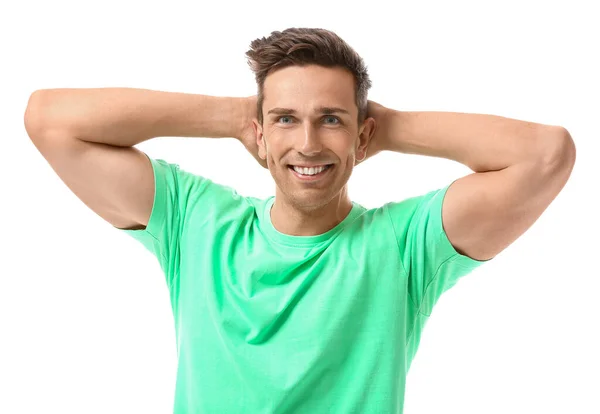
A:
305, 302
310, 139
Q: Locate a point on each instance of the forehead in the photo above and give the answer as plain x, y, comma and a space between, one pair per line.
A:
306, 87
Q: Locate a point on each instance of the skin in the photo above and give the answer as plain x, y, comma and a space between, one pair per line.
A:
311, 138
519, 166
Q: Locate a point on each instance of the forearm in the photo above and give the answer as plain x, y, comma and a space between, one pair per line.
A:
127, 116
481, 142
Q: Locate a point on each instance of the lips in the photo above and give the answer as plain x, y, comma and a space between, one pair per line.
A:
327, 166
314, 177
308, 165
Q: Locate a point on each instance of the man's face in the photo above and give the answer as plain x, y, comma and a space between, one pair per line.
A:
298, 132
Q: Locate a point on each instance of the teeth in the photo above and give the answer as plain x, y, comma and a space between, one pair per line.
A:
309, 171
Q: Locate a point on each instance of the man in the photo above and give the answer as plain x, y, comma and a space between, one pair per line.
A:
305, 302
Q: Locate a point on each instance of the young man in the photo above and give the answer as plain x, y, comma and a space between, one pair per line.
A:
305, 302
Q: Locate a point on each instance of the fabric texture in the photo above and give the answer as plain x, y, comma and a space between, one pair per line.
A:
271, 323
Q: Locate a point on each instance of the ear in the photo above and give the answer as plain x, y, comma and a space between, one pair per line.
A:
365, 133
260, 141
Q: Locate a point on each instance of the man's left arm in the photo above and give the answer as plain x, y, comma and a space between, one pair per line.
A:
519, 169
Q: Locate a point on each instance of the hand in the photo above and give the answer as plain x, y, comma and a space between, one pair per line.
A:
379, 134
247, 136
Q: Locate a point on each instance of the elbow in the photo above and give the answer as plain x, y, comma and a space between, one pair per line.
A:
41, 115
567, 151
559, 148
33, 113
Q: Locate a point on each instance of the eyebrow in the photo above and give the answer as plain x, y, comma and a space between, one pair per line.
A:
325, 110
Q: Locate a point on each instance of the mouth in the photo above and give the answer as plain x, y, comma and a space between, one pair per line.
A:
311, 174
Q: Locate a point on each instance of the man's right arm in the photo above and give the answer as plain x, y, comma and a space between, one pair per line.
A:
87, 137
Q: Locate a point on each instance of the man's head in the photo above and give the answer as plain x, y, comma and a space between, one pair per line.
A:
312, 87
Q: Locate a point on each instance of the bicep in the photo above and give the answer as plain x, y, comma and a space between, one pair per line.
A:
483, 213
117, 183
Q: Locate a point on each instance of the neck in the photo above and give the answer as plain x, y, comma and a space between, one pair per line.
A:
291, 219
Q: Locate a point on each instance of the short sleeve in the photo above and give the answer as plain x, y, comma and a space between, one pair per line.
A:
431, 263
161, 235
183, 200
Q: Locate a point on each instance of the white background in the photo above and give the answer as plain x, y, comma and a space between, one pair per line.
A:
85, 321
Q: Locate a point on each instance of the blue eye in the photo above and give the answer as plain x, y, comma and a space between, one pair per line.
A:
325, 117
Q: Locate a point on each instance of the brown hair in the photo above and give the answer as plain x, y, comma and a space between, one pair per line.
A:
304, 46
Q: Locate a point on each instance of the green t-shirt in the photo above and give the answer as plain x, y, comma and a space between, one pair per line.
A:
271, 323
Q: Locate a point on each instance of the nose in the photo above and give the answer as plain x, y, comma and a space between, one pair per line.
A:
310, 143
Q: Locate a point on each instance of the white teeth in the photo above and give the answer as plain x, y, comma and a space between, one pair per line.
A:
308, 171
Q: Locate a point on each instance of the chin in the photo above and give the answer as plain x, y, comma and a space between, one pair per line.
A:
308, 200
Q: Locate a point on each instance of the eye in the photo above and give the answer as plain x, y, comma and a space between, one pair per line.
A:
284, 116
333, 117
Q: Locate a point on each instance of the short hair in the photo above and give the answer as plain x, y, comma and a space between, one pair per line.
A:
305, 46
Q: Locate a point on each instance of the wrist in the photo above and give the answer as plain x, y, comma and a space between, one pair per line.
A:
383, 117
246, 112
393, 130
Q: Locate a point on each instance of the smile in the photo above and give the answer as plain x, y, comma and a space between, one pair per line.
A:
310, 174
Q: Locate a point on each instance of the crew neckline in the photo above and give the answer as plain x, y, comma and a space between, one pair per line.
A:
303, 241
